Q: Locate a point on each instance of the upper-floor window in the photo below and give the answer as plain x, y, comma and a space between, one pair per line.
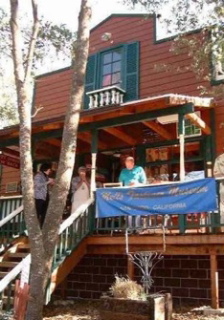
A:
111, 67
116, 66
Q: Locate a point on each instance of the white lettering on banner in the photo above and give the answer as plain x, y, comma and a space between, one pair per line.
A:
170, 206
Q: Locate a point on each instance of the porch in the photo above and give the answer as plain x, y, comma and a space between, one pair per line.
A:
162, 146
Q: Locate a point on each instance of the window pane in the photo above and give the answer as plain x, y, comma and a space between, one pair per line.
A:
116, 66
107, 69
117, 55
107, 80
107, 58
116, 78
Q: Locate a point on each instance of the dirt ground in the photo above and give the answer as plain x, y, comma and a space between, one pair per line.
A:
84, 310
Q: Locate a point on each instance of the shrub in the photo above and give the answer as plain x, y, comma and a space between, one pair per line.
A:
125, 288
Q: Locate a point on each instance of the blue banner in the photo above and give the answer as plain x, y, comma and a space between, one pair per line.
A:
175, 198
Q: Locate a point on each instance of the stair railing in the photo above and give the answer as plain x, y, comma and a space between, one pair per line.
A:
12, 226
9, 204
71, 232
76, 227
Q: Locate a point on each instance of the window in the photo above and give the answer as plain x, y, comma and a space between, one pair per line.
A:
111, 68
116, 66
11, 187
191, 130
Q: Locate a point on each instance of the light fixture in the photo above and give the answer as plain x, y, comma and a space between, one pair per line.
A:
172, 118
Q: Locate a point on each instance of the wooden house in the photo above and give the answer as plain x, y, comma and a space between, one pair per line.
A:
131, 107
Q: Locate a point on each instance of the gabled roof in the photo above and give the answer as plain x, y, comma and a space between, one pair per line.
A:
125, 15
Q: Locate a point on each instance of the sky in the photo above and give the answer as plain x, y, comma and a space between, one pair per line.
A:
66, 11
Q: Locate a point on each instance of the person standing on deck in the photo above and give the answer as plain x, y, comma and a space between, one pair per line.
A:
41, 194
219, 173
132, 176
80, 189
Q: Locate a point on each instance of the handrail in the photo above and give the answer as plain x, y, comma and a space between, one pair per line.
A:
10, 197
4, 282
65, 224
11, 216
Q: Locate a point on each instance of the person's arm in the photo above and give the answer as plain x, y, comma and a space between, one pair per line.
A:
121, 178
142, 176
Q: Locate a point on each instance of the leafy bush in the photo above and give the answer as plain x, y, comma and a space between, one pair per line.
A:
125, 288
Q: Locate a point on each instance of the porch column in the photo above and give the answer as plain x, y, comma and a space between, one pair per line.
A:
214, 281
131, 268
181, 131
94, 145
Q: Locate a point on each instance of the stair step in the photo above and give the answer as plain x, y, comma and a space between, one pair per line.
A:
17, 254
8, 264
3, 274
23, 246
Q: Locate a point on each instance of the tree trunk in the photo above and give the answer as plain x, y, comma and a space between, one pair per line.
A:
42, 242
69, 139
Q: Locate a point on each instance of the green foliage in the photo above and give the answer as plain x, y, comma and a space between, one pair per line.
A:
53, 41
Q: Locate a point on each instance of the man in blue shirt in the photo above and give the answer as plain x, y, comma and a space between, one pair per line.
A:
132, 175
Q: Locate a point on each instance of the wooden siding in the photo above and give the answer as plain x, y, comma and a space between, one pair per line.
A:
9, 175
52, 90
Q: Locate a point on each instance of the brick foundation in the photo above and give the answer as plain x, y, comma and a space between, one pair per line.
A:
186, 277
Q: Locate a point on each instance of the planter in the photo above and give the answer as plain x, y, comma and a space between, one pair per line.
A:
157, 307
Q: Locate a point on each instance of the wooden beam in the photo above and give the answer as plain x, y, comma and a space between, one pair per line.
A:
194, 118
158, 128
214, 281
120, 134
54, 142
187, 239
86, 137
10, 151
170, 249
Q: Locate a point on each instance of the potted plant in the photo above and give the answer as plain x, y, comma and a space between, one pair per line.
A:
127, 300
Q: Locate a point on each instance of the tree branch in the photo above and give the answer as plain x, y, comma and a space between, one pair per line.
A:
35, 30
16, 42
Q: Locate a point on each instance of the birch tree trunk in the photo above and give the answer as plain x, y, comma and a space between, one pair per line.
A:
43, 242
22, 78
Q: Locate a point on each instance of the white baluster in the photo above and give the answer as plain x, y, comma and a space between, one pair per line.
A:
101, 99
117, 97
90, 101
113, 100
121, 97
95, 100
107, 98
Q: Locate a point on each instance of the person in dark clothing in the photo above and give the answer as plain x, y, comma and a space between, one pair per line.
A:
41, 183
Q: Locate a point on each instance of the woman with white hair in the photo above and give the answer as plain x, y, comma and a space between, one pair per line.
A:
80, 189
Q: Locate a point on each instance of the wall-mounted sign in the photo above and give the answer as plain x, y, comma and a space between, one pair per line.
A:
9, 161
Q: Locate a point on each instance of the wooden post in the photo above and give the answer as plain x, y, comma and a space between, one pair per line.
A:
131, 269
181, 131
214, 281
93, 167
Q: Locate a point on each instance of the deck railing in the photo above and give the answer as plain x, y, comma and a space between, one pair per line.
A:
105, 97
9, 204
204, 222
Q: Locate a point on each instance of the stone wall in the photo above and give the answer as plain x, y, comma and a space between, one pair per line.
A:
187, 278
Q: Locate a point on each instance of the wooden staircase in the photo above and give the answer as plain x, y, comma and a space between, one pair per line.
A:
9, 260
69, 251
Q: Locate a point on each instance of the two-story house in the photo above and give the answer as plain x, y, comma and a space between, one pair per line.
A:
133, 107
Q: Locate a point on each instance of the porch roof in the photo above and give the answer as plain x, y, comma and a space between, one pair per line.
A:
92, 117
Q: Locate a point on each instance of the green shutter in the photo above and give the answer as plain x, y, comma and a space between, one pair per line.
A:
90, 79
131, 71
